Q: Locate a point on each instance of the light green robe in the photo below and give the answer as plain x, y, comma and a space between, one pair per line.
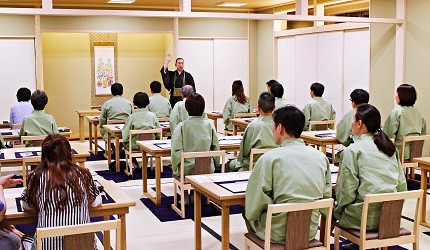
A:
258, 134
196, 134
38, 123
159, 105
140, 119
231, 108
2, 143
404, 121
280, 102
364, 169
116, 108
291, 173
343, 128
318, 110
178, 114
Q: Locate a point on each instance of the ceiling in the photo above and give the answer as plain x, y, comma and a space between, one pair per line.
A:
197, 5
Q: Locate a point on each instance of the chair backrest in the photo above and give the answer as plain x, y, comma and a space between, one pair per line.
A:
116, 121
36, 140
80, 236
245, 115
391, 212
321, 125
202, 163
417, 143
256, 151
144, 135
298, 222
15, 126
28, 162
163, 119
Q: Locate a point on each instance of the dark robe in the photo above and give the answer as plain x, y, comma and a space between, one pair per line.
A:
168, 79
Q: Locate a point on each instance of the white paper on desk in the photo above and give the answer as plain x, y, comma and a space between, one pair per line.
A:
119, 126
242, 176
334, 178
25, 154
229, 141
11, 196
334, 169
201, 178
236, 187
163, 145
164, 124
221, 178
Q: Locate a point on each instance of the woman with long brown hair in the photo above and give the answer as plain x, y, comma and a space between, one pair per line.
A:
237, 103
59, 191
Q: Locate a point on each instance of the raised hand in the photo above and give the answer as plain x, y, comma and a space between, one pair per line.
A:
169, 57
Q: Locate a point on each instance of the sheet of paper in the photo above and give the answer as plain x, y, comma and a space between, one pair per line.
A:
25, 154
220, 178
334, 178
334, 169
119, 126
229, 142
236, 187
163, 145
242, 176
201, 178
11, 196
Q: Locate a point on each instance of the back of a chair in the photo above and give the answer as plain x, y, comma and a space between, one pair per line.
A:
80, 236
15, 126
144, 135
245, 115
116, 121
417, 144
202, 163
321, 125
298, 222
36, 140
256, 151
391, 212
28, 162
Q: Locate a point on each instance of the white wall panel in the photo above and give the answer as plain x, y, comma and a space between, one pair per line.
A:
287, 67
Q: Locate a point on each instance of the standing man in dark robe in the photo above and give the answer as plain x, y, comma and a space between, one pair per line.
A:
175, 80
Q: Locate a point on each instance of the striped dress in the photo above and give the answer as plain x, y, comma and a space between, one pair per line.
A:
50, 216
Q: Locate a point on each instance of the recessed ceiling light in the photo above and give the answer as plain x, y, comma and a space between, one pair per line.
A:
229, 4
121, 1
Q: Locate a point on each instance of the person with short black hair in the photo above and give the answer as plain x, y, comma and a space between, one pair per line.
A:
370, 165
38, 122
343, 127
278, 91
270, 83
179, 113
158, 104
258, 134
406, 119
175, 80
23, 108
318, 109
195, 134
290, 173
237, 103
140, 119
117, 108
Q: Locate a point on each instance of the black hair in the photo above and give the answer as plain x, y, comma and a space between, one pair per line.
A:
141, 100
195, 104
359, 96
116, 89
271, 82
266, 102
39, 99
317, 88
155, 87
179, 58
277, 89
371, 117
23, 95
407, 95
291, 118
238, 92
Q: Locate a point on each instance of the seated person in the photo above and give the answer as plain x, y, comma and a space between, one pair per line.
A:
291, 173
258, 134
23, 108
237, 103
343, 128
270, 83
2, 143
196, 134
368, 166
117, 108
158, 104
140, 119
278, 91
10, 237
406, 119
179, 113
318, 109
73, 185
38, 122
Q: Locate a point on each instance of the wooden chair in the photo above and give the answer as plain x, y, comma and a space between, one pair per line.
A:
389, 232
80, 236
36, 140
240, 115
323, 125
297, 227
202, 166
15, 126
116, 121
28, 162
256, 151
143, 135
416, 143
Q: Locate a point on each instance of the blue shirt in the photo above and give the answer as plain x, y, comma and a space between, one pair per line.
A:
18, 112
1, 206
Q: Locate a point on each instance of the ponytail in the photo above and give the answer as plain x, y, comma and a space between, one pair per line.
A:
384, 143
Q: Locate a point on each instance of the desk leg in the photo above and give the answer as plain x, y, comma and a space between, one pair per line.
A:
81, 128
225, 231
424, 206
117, 153
158, 180
198, 220
96, 144
234, 129
144, 172
123, 231
90, 137
215, 124
324, 149
106, 235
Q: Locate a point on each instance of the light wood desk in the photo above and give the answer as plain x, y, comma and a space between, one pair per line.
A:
165, 126
93, 122
241, 122
13, 135
4, 125
214, 115
120, 208
113, 130
162, 148
81, 115
424, 164
329, 138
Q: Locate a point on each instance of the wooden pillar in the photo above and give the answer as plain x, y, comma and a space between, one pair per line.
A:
302, 7
399, 65
38, 53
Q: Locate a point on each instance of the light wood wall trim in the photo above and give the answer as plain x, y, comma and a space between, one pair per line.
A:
47, 4
38, 53
212, 38
107, 31
302, 7
16, 37
399, 72
320, 29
